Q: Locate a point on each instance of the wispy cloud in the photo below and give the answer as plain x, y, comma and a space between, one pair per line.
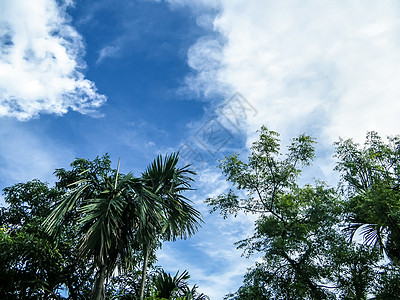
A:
200, 5
41, 61
329, 68
107, 51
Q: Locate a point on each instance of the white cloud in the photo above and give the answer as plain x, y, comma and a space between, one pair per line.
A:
107, 51
41, 62
205, 57
329, 68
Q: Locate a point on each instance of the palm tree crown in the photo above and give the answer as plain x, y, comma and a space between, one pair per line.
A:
118, 214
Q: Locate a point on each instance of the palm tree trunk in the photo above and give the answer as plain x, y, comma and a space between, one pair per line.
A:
99, 293
144, 270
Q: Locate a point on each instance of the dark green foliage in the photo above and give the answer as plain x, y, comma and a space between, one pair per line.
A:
110, 210
174, 288
30, 266
388, 283
82, 168
305, 254
33, 264
267, 174
177, 218
167, 286
74, 236
127, 285
169, 182
97, 220
371, 181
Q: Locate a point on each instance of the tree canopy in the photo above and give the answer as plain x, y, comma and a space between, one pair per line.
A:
94, 233
305, 234
93, 222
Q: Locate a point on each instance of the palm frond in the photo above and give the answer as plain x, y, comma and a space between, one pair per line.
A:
65, 205
168, 182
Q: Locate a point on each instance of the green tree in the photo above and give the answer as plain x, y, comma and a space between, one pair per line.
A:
127, 285
297, 232
32, 264
388, 282
371, 181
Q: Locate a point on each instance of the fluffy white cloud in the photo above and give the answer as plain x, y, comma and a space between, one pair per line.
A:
41, 61
326, 68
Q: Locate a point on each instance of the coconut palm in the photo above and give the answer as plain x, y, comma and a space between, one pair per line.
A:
179, 218
110, 210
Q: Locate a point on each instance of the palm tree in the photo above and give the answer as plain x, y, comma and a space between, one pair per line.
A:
167, 286
110, 212
116, 212
179, 218
177, 287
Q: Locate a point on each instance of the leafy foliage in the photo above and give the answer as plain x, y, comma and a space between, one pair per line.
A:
33, 264
371, 181
99, 224
164, 179
73, 236
176, 217
305, 254
175, 288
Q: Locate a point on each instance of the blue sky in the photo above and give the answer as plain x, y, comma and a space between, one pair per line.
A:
137, 78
